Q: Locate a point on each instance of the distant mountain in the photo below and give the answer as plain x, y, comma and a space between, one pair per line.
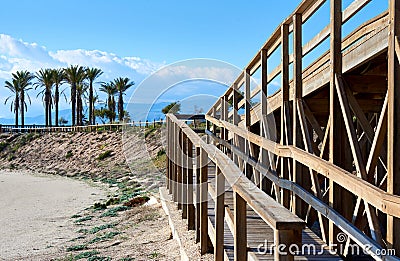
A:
137, 111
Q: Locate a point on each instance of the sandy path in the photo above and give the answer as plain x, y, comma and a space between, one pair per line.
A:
35, 213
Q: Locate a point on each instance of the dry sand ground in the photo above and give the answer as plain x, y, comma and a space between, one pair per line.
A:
36, 211
54, 218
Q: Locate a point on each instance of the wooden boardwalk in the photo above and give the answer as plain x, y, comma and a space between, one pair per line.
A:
260, 237
321, 151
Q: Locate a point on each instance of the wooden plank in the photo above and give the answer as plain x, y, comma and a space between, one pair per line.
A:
219, 216
393, 179
191, 212
203, 202
335, 68
198, 182
240, 225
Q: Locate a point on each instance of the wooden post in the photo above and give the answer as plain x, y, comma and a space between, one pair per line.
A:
198, 182
393, 179
247, 106
337, 139
235, 120
184, 182
219, 216
203, 202
240, 234
168, 165
299, 208
190, 208
285, 120
286, 238
175, 167
179, 166
265, 184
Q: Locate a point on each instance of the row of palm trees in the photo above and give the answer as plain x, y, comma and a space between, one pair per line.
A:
81, 80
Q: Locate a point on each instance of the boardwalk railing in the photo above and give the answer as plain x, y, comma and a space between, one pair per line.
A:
193, 196
86, 128
333, 160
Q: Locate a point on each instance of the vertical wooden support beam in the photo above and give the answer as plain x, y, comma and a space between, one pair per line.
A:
198, 187
248, 169
285, 195
168, 155
265, 184
203, 202
299, 208
286, 238
219, 216
190, 208
393, 180
184, 182
179, 166
175, 167
335, 134
240, 233
235, 120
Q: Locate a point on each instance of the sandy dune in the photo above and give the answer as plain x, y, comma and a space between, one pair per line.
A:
35, 213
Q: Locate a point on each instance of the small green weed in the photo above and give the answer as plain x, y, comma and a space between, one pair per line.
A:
104, 155
76, 248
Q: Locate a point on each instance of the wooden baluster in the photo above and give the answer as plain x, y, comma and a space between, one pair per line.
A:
240, 233
204, 202
184, 174
198, 182
190, 207
219, 215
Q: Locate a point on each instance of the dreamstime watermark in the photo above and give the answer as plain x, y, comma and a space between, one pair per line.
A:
186, 81
343, 245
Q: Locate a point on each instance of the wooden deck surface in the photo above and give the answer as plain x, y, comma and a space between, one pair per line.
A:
260, 236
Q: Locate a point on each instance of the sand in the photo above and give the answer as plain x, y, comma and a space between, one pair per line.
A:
36, 210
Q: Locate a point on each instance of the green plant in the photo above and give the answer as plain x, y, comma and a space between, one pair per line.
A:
99, 228
154, 255
76, 216
83, 219
76, 248
69, 154
106, 236
3, 145
99, 258
113, 212
86, 254
105, 155
161, 152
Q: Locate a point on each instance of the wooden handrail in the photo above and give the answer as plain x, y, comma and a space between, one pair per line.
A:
275, 215
385, 202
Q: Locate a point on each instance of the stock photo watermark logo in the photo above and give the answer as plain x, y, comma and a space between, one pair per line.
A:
343, 245
185, 82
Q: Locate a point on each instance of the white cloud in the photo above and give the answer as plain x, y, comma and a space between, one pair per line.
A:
19, 55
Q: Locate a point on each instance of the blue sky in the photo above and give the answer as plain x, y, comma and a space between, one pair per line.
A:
135, 38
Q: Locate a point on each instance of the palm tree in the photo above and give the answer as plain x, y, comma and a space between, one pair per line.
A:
45, 79
122, 84
24, 78
81, 89
92, 74
58, 79
74, 75
13, 86
111, 91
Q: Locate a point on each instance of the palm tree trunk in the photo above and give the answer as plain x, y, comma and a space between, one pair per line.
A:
73, 102
56, 98
50, 121
91, 103
22, 107
16, 109
46, 109
120, 107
